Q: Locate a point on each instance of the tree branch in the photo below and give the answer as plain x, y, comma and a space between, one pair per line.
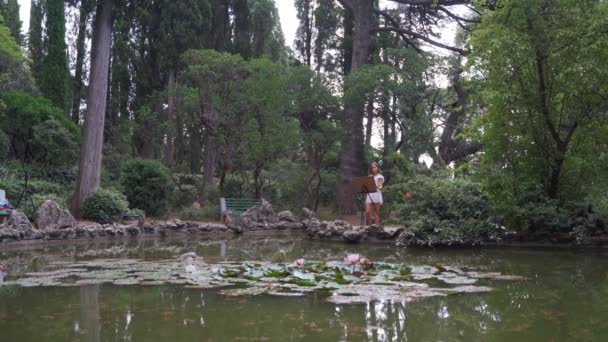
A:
433, 2
421, 37
395, 24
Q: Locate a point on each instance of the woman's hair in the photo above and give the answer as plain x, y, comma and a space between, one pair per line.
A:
371, 165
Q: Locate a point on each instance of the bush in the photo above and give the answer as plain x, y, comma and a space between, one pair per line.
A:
442, 211
105, 206
147, 185
201, 214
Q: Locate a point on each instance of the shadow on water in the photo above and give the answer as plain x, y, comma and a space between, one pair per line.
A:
563, 299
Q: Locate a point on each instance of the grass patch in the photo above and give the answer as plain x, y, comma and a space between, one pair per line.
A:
349, 294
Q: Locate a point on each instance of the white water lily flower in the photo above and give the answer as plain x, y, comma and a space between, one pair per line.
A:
300, 262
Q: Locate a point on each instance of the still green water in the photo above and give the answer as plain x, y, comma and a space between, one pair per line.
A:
564, 299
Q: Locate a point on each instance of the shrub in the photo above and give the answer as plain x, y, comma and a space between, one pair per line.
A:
147, 185
442, 211
105, 206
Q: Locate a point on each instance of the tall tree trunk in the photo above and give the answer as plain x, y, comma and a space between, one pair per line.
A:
347, 43
80, 53
170, 143
209, 167
351, 156
370, 121
310, 176
89, 173
195, 149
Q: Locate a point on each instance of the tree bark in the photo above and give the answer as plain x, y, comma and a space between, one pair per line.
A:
209, 167
370, 121
170, 131
351, 156
90, 151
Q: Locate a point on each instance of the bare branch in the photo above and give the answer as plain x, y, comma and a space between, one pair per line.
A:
433, 2
458, 18
395, 24
421, 37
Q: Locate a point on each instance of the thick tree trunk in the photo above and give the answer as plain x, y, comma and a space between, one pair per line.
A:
347, 43
351, 156
209, 167
170, 136
90, 151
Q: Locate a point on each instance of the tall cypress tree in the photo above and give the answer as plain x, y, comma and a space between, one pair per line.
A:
85, 11
53, 80
10, 11
35, 37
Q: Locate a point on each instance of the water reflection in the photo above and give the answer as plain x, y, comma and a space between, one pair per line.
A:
563, 300
89, 326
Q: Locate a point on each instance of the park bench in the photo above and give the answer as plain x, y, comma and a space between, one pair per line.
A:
236, 206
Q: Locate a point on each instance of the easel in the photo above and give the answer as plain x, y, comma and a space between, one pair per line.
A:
26, 193
363, 187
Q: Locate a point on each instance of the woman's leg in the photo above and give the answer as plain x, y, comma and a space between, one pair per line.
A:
377, 212
368, 213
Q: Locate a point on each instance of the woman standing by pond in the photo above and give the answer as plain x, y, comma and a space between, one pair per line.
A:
373, 201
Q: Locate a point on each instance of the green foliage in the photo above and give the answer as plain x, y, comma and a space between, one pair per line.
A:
208, 213
10, 11
4, 145
38, 131
105, 206
540, 73
147, 185
53, 80
442, 211
12, 73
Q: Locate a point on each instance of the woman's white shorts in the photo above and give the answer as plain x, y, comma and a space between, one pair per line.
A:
374, 197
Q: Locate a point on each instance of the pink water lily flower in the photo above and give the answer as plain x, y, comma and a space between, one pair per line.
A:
352, 259
365, 262
300, 262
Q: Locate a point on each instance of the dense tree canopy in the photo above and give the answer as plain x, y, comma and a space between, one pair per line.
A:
516, 106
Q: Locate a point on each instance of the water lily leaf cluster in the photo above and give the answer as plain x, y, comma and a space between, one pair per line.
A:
339, 280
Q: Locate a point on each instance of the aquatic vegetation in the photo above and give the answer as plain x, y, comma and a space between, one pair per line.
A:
380, 281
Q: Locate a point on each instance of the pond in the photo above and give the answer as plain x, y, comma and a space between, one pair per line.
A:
557, 295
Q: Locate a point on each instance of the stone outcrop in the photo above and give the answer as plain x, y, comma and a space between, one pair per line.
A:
340, 230
262, 217
51, 216
286, 216
55, 223
18, 227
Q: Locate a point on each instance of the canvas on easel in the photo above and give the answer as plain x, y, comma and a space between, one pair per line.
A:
364, 185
